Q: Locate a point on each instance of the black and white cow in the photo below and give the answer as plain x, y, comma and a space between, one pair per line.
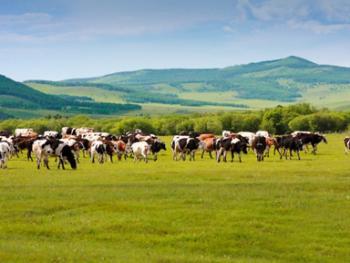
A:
156, 147
237, 145
100, 149
259, 146
44, 148
347, 144
185, 145
68, 131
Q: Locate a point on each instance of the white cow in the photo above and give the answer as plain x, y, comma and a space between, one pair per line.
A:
141, 151
25, 132
296, 133
42, 150
262, 134
51, 134
83, 130
5, 152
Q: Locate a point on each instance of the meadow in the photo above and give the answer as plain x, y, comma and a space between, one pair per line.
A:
167, 211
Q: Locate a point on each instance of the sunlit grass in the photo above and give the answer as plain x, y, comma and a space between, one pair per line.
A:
166, 211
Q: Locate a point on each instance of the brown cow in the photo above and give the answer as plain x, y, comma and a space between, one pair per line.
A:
208, 146
120, 147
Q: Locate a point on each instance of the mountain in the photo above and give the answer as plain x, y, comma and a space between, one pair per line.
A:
254, 85
18, 96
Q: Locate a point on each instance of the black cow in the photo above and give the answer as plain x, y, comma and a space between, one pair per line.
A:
347, 144
156, 147
259, 146
290, 144
311, 138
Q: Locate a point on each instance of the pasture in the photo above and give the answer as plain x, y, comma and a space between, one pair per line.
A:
166, 211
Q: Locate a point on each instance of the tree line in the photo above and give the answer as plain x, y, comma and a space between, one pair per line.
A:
277, 120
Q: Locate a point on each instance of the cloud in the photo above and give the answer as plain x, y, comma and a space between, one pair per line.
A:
318, 16
318, 27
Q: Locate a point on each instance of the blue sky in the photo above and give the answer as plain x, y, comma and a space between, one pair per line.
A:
59, 39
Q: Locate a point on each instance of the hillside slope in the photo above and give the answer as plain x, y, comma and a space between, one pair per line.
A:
15, 95
287, 80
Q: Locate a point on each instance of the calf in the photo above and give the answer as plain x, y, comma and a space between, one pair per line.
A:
347, 144
259, 147
141, 151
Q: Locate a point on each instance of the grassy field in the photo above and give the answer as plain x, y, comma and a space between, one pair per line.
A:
166, 211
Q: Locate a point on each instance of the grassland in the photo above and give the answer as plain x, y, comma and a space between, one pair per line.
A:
166, 211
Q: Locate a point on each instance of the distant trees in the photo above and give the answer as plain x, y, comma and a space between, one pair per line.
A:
278, 120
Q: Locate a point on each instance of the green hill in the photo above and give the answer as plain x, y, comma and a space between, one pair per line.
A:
16, 96
256, 85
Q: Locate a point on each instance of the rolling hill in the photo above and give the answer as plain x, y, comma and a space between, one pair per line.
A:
16, 97
254, 85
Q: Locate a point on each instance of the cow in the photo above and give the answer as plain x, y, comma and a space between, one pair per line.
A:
43, 148
52, 134
347, 144
289, 144
141, 151
83, 130
98, 148
68, 131
185, 145
262, 134
22, 143
9, 141
248, 135
223, 145
25, 132
208, 146
156, 147
259, 147
120, 147
75, 145
310, 138
6, 134
5, 152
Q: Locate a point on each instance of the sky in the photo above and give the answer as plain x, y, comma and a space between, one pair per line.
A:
61, 39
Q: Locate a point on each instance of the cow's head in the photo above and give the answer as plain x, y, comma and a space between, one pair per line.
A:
69, 156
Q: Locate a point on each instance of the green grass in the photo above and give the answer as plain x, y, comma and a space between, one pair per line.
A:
166, 211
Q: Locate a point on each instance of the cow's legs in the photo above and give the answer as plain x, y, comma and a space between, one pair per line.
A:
225, 154
210, 155
92, 156
46, 162
218, 155
202, 155
314, 148
239, 157
232, 156
298, 154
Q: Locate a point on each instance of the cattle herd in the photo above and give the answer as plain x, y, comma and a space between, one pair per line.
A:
69, 144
